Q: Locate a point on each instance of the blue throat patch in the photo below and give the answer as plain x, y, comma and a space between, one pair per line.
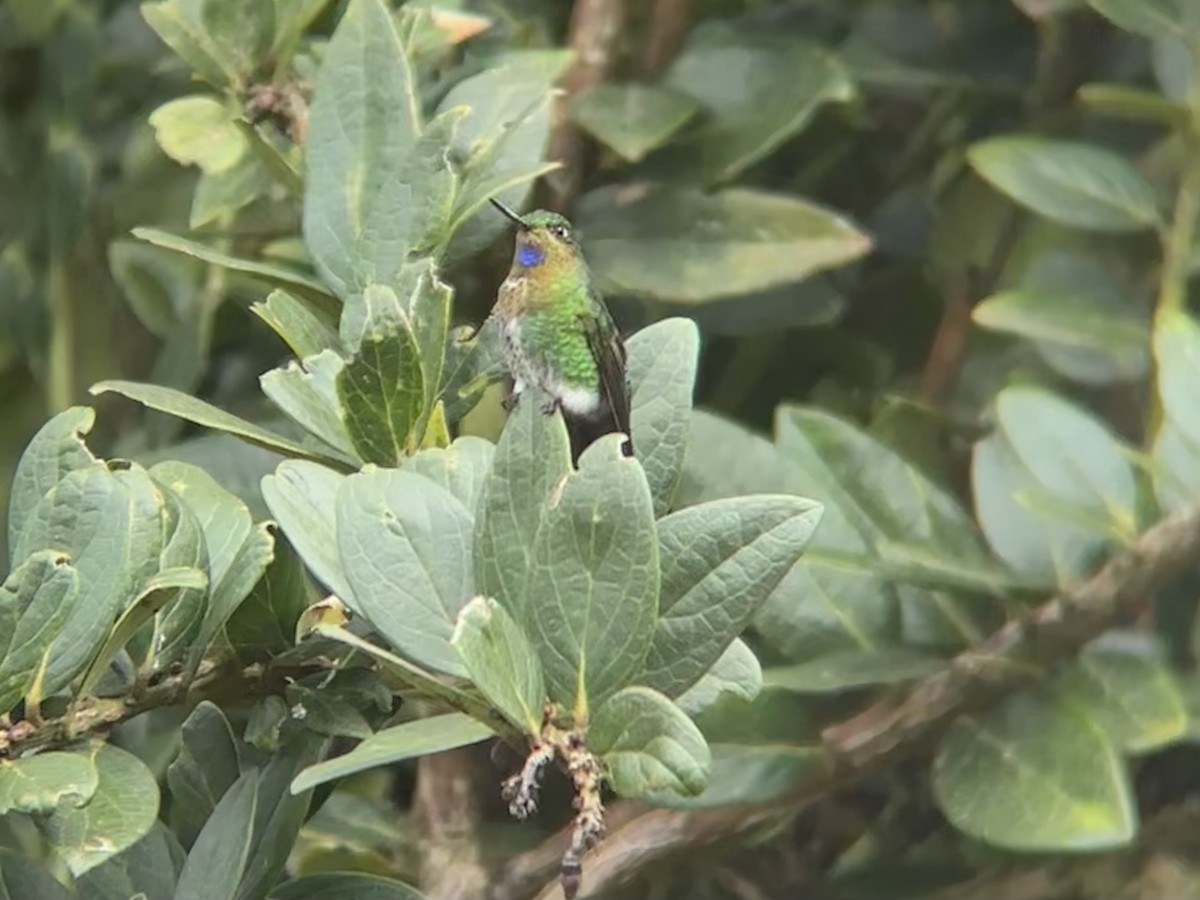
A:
530, 257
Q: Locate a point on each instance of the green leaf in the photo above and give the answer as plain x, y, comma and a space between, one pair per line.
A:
265, 623
36, 601
682, 245
1114, 334
121, 811
108, 523
1076, 184
184, 547
241, 32
725, 460
720, 561
220, 194
340, 885
207, 766
1176, 467
160, 590
303, 286
150, 867
501, 662
1034, 775
218, 860
326, 714
302, 497
1177, 354
377, 188
1131, 103
223, 518
199, 130
592, 590
191, 409
381, 390
648, 746
502, 141
662, 375
1151, 18
632, 119
531, 460
405, 544
180, 24
253, 557
39, 784
852, 670
307, 392
56, 449
1050, 454
408, 741
462, 468
306, 332
20, 878
1128, 693
788, 79
736, 673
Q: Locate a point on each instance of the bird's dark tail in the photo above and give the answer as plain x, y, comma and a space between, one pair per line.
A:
584, 431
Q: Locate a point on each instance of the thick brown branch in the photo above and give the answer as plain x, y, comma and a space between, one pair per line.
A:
668, 24
447, 810
595, 29
888, 732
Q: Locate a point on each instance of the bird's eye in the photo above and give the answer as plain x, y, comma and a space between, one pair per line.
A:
559, 232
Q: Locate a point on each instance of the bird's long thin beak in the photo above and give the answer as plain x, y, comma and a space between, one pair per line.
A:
508, 213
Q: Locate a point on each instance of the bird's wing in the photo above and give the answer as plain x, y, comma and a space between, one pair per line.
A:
609, 352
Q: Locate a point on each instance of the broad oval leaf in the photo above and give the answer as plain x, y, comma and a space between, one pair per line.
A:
1077, 184
405, 545
302, 496
207, 765
392, 745
307, 392
632, 119
662, 375
199, 130
850, 670
217, 861
1034, 775
462, 468
304, 330
39, 784
592, 590
122, 810
736, 673
648, 745
36, 601
678, 244
501, 662
720, 561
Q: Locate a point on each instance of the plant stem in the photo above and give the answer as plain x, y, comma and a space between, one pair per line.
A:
1179, 238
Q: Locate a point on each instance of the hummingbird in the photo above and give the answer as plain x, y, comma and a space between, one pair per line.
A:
557, 333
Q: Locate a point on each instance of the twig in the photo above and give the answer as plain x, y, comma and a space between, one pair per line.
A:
886, 733
447, 809
595, 27
949, 347
668, 23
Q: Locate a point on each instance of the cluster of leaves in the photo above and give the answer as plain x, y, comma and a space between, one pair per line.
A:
339, 162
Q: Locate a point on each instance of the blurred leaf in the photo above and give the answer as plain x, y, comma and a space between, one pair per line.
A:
291, 18
721, 67
378, 185
851, 670
531, 459
1115, 334
302, 497
811, 303
192, 409
305, 332
221, 194
720, 561
408, 741
150, 867
1151, 18
1033, 775
241, 33
632, 119
1077, 184
1177, 353
592, 590
207, 766
121, 811
108, 523
648, 745
159, 287
180, 24
38, 784
56, 449
36, 601
303, 286
307, 392
199, 130
405, 545
20, 878
1131, 103
736, 673
681, 245
1129, 694
662, 362
501, 662
1048, 451
340, 885
1176, 468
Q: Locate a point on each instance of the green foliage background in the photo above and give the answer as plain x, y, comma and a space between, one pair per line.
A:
912, 352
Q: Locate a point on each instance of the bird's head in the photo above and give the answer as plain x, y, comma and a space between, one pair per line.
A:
543, 238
